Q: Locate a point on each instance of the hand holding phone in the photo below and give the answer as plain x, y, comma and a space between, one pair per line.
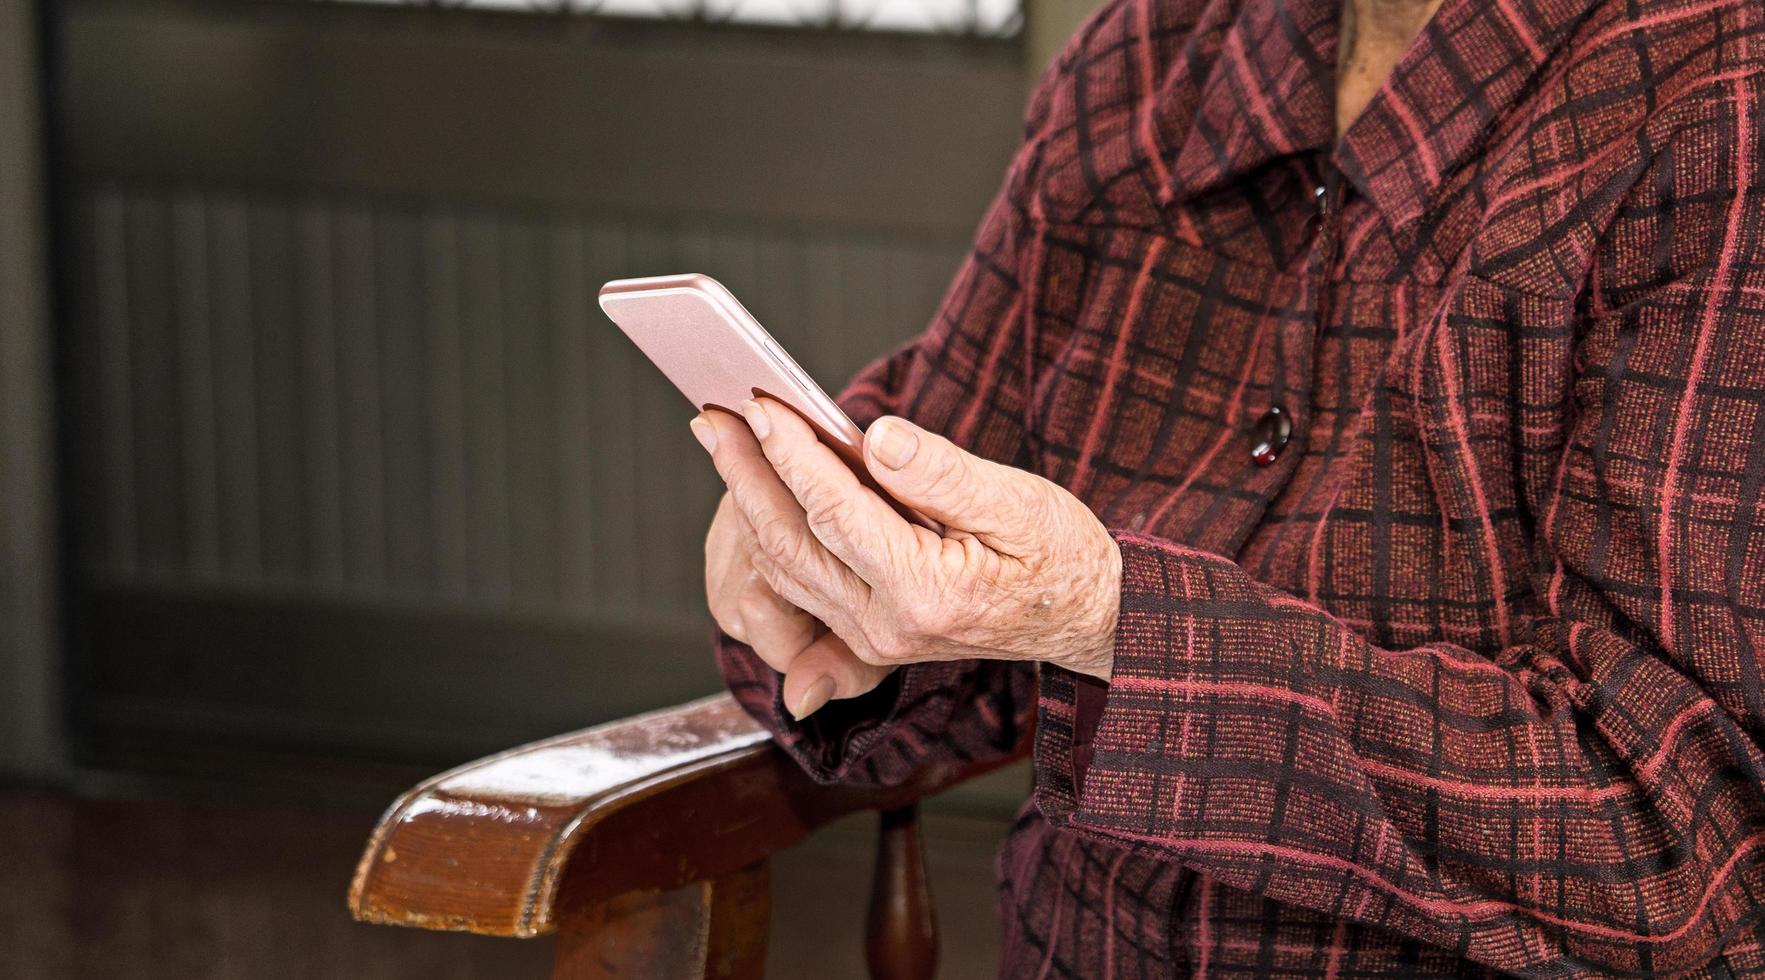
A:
719, 356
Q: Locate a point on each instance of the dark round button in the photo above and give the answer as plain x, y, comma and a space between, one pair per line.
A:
1272, 433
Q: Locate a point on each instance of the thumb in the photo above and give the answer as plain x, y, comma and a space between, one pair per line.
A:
948, 484
825, 670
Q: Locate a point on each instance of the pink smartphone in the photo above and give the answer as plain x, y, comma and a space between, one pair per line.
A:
718, 355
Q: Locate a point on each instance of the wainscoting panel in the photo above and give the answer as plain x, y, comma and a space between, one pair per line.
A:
376, 412
359, 475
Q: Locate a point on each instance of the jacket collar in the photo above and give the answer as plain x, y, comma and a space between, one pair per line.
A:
1264, 80
1265, 88
1448, 93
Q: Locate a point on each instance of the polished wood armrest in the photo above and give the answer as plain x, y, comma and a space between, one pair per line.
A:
638, 828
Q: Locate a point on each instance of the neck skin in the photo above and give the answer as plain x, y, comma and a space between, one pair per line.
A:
1373, 37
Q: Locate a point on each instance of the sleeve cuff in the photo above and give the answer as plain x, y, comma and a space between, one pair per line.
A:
834, 741
1080, 718
1089, 697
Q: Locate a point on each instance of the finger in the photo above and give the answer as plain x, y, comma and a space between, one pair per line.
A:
727, 545
848, 518
749, 609
776, 629
998, 504
796, 564
827, 669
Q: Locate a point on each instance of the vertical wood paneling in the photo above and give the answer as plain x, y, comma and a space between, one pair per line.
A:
281, 439
398, 258
824, 284
236, 389
368, 400
321, 430
360, 384
613, 429
575, 448
532, 419
153, 347
450, 522
484, 373
110, 342
865, 291
196, 376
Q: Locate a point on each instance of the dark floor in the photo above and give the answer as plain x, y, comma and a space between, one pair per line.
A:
102, 888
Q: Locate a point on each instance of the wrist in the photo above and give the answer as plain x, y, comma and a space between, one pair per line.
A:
1096, 657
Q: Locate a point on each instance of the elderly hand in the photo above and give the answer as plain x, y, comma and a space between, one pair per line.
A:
816, 664
1024, 571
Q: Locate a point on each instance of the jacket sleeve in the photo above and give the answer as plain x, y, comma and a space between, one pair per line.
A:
1588, 799
964, 378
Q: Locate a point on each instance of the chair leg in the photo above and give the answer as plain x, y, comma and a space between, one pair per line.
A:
710, 929
901, 936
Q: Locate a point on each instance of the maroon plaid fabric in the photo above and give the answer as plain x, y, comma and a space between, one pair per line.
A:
1468, 678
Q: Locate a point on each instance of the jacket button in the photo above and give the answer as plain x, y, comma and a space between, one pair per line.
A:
1273, 431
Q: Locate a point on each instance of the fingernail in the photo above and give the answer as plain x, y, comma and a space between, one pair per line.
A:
819, 693
757, 419
892, 443
705, 433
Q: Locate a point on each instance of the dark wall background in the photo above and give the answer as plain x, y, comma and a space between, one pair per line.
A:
359, 481
30, 696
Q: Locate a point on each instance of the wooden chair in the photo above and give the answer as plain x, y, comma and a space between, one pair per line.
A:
643, 844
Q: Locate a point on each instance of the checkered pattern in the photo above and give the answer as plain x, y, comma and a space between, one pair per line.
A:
1469, 679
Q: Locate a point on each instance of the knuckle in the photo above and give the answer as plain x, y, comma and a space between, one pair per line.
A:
758, 607
778, 537
944, 478
758, 559
783, 456
774, 574
784, 582
826, 511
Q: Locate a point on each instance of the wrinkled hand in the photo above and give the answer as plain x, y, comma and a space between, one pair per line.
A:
1024, 571
816, 664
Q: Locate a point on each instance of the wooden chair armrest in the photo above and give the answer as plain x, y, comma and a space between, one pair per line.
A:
515, 843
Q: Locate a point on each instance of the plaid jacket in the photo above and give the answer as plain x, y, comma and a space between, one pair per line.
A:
1436, 455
